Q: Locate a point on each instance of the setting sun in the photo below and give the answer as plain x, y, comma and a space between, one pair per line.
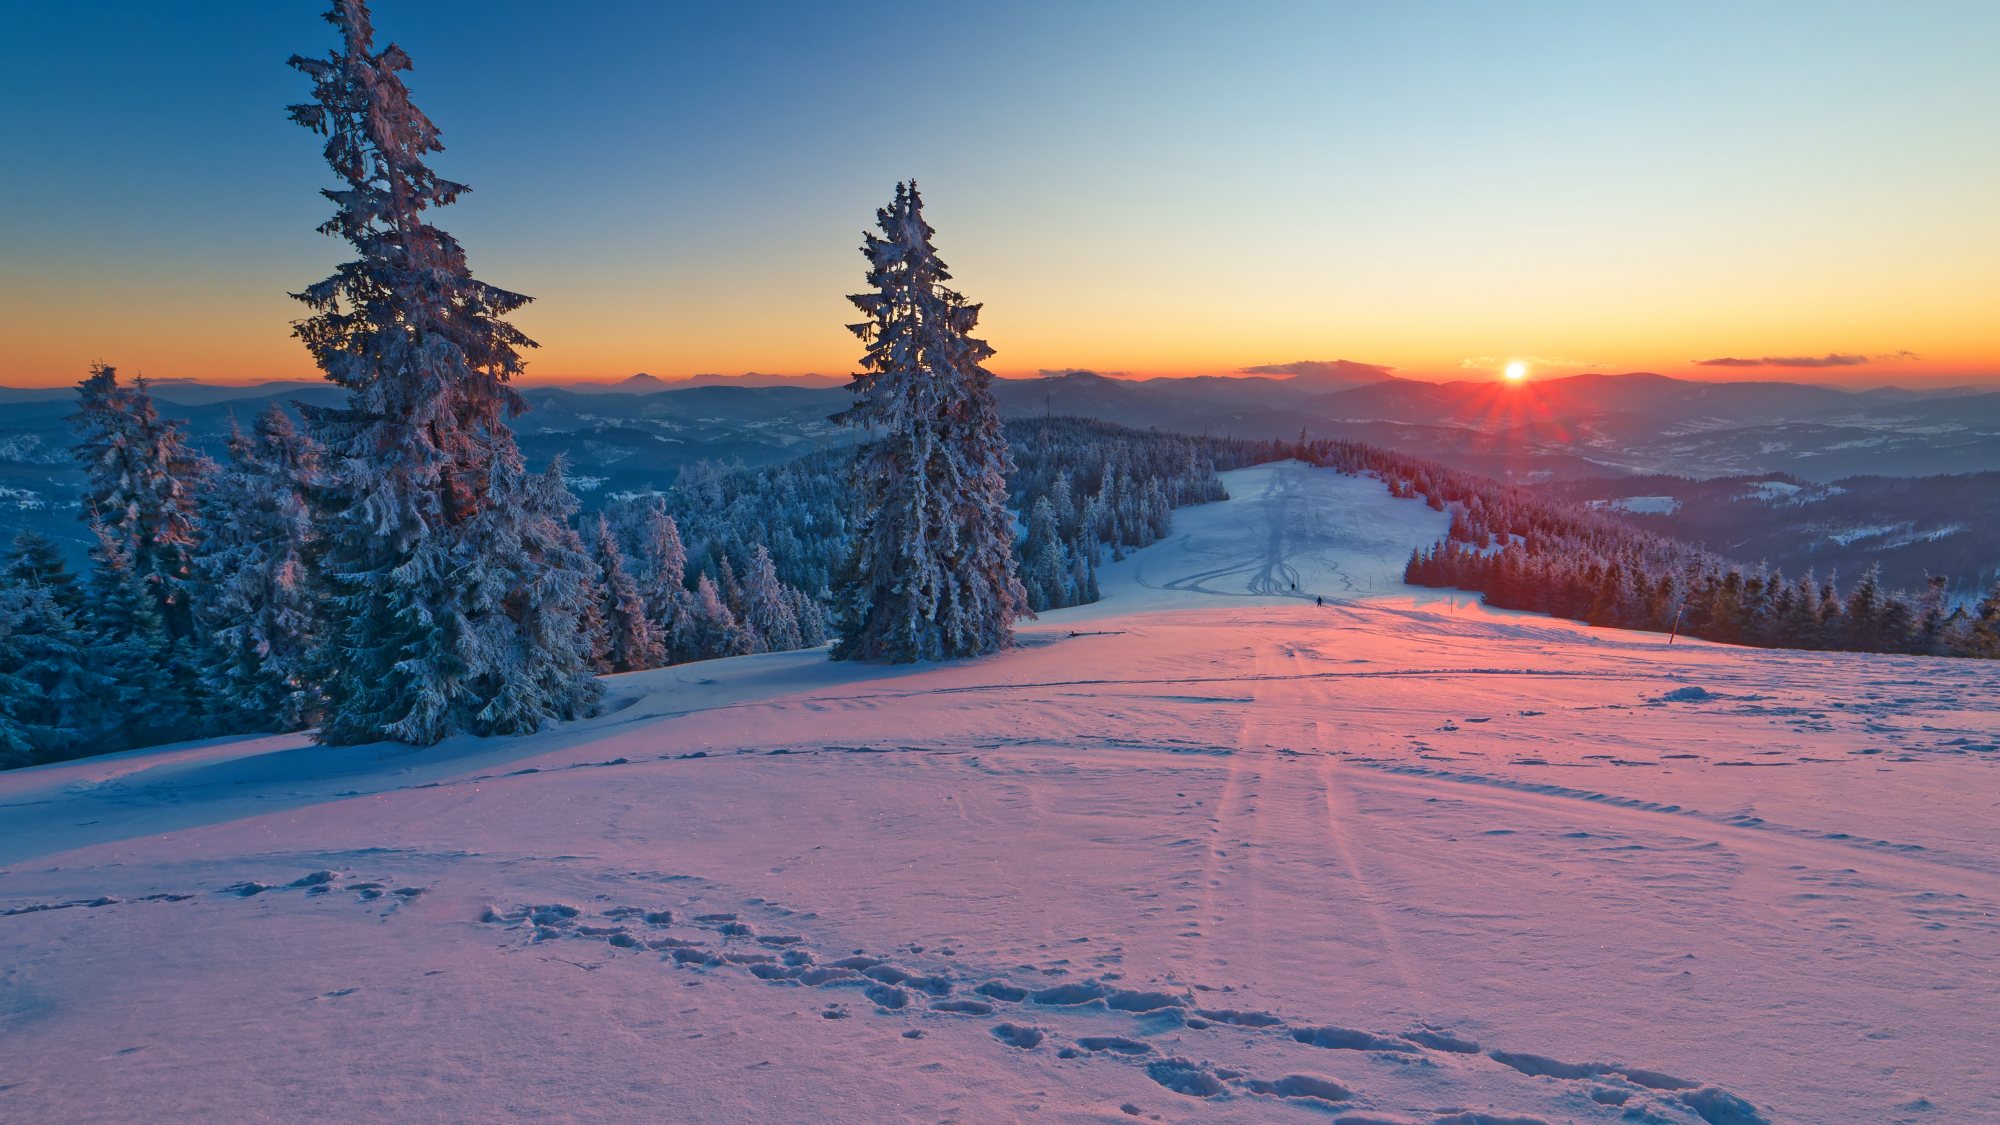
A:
303, 514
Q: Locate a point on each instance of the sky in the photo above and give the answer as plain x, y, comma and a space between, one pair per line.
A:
1145, 188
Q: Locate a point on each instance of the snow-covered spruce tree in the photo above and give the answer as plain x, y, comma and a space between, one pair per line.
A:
527, 628
659, 568
1932, 618
811, 617
769, 614
17, 747
709, 629
590, 620
33, 560
49, 695
670, 604
142, 478
18, 732
931, 571
260, 590
630, 644
49, 687
1875, 621
129, 645
727, 587
453, 582
1982, 634
1045, 568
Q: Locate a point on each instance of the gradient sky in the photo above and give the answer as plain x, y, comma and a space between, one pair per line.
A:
1144, 187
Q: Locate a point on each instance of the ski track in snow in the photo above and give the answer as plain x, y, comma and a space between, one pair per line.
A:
1201, 851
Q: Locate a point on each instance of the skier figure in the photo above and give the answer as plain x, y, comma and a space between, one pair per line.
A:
1319, 601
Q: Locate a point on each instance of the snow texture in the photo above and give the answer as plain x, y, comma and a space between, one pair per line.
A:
1205, 850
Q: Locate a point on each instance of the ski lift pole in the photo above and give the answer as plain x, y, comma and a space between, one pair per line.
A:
1676, 630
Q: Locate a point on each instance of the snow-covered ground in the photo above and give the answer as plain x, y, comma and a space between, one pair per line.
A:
1642, 505
1204, 851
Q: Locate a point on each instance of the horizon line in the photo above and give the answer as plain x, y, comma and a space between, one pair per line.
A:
1856, 381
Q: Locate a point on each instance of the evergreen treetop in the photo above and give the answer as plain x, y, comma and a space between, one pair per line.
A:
141, 481
932, 572
449, 563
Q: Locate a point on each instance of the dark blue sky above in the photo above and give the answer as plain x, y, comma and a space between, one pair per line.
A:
1168, 187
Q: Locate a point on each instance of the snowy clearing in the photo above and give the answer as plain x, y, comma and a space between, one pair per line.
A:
1771, 490
1641, 505
1201, 851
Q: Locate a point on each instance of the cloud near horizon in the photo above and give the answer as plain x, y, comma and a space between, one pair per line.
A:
1831, 359
1322, 367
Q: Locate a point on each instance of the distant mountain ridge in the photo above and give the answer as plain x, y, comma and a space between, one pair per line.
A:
1573, 426
643, 383
1588, 425
1911, 527
635, 434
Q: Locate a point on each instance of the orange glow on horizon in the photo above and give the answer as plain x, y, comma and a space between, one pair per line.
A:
240, 332
1121, 324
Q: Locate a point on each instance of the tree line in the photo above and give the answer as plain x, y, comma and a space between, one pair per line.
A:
1914, 527
208, 608
211, 606
1083, 487
1523, 550
1079, 491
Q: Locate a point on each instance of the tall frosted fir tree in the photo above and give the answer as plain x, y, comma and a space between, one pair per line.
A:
931, 574
142, 482
129, 646
260, 593
450, 571
630, 644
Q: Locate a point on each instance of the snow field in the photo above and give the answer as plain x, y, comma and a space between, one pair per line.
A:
1202, 851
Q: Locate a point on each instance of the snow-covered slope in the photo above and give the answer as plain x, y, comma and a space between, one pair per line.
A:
1204, 851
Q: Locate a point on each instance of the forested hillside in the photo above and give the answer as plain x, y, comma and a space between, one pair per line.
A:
1911, 527
1523, 550
1080, 488
207, 602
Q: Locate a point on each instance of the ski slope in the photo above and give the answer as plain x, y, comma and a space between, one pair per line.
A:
1202, 851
